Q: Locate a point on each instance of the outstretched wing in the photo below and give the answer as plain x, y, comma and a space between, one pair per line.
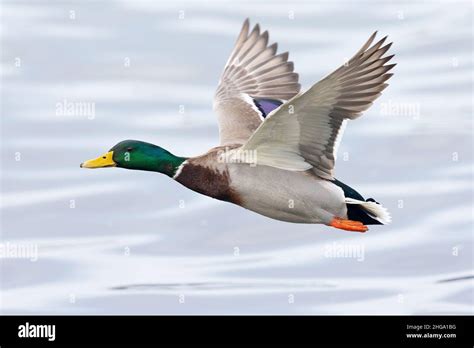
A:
255, 81
304, 132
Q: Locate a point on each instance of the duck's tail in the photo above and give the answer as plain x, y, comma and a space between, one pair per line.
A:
369, 212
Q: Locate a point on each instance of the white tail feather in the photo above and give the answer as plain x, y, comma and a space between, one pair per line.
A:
376, 211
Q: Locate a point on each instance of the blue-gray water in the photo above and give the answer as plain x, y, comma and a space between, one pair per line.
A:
117, 241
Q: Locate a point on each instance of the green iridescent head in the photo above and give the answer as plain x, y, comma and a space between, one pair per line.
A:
138, 155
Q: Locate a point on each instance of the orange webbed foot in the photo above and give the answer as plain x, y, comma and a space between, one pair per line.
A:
348, 225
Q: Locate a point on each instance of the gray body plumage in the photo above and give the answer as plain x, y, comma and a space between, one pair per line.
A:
292, 196
285, 195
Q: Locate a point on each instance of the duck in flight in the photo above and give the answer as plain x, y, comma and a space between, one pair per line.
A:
278, 145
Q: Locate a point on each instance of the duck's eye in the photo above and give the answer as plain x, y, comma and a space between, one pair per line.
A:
104, 157
129, 149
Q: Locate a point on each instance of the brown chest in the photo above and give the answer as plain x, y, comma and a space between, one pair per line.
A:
207, 181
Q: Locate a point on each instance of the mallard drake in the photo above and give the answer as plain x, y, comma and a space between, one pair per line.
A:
278, 145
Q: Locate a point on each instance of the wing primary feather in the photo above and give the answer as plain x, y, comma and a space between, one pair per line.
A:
253, 70
312, 135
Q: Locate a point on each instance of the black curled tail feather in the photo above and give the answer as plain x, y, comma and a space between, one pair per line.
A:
368, 211
357, 213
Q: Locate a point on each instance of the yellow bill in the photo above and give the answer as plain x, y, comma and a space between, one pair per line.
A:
100, 162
